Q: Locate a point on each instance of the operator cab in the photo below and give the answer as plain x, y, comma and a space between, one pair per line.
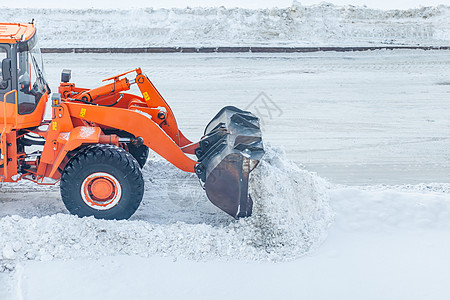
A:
22, 68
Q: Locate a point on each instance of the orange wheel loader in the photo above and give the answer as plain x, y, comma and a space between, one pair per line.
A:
98, 139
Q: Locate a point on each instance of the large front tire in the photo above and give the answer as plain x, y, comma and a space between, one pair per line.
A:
139, 152
103, 181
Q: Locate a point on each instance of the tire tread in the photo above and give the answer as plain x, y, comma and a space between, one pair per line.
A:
105, 154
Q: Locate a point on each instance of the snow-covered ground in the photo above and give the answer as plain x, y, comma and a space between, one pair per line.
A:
375, 119
297, 25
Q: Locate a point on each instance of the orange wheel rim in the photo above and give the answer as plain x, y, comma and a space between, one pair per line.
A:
101, 191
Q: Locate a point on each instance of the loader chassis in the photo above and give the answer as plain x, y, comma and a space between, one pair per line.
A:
98, 139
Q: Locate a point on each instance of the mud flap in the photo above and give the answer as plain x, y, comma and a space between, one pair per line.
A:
229, 150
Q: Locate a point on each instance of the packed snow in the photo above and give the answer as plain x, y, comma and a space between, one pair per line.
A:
291, 217
297, 25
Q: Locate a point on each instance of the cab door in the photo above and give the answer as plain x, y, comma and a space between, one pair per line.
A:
32, 88
8, 108
8, 116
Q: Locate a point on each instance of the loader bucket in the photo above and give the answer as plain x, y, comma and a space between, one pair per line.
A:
229, 150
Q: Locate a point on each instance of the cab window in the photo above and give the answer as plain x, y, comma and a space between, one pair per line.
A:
3, 55
29, 88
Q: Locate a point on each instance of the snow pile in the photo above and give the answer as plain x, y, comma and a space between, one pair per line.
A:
319, 25
291, 216
282, 223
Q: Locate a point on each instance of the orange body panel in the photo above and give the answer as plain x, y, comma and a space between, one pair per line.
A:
8, 146
11, 33
34, 118
8, 110
77, 137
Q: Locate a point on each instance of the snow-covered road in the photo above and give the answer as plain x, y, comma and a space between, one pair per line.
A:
356, 118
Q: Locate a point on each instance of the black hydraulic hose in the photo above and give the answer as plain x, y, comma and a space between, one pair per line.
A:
27, 141
91, 103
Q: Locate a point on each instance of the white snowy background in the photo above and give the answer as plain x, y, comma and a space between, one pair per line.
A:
375, 124
322, 24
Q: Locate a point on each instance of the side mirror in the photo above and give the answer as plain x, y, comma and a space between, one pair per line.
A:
6, 69
65, 75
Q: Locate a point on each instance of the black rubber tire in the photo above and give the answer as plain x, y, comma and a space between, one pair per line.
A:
140, 153
108, 159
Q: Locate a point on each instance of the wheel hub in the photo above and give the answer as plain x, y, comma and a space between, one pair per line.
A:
101, 191
101, 188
